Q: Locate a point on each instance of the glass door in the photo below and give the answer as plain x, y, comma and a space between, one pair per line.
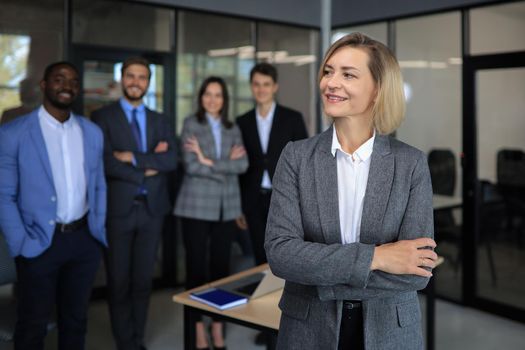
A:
495, 184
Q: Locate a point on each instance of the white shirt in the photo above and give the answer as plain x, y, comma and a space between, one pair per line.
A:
65, 149
352, 177
264, 127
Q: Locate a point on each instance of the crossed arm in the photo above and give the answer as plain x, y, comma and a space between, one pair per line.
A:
367, 270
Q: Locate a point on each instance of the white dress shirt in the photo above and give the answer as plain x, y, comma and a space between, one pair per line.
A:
264, 127
65, 149
352, 177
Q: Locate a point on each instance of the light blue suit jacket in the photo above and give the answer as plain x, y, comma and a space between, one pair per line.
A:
28, 204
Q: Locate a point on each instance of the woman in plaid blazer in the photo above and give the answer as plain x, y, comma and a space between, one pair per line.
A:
209, 199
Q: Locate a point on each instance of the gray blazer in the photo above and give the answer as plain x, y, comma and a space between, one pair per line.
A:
303, 245
205, 189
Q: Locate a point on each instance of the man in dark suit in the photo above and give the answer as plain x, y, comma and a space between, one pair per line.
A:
138, 153
52, 210
266, 129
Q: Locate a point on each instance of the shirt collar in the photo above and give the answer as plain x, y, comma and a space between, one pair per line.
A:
269, 117
51, 121
128, 107
214, 122
362, 153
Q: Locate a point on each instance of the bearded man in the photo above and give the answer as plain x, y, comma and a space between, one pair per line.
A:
139, 151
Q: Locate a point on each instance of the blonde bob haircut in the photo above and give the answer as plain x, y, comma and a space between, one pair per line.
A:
388, 111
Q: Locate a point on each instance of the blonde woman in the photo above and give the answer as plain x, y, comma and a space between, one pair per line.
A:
351, 224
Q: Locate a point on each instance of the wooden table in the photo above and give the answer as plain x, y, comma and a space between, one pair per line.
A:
261, 313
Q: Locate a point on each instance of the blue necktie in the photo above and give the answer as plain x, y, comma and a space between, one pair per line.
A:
135, 129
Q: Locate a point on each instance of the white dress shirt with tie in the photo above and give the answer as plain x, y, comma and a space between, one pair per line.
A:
65, 149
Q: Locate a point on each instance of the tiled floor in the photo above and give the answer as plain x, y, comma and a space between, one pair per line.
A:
456, 328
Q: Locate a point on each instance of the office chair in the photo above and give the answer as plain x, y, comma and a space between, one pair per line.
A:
442, 165
7, 303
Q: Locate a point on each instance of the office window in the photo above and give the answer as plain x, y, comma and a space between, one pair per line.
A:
294, 53
122, 24
31, 36
213, 45
377, 31
496, 29
429, 52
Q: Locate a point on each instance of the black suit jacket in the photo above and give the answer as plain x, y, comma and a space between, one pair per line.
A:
288, 125
124, 179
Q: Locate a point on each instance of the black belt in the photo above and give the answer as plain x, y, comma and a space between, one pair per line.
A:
265, 191
140, 198
352, 304
73, 225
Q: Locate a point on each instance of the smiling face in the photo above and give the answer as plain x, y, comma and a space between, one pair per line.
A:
135, 81
213, 100
263, 88
347, 87
61, 87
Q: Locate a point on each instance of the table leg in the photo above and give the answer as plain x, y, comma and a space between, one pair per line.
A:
271, 340
431, 305
189, 329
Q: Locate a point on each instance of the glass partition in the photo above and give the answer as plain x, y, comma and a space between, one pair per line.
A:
293, 51
496, 29
27, 45
213, 45
429, 52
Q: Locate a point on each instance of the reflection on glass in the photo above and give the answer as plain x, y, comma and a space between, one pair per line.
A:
293, 51
501, 190
27, 45
122, 24
377, 31
209, 45
499, 28
102, 85
426, 48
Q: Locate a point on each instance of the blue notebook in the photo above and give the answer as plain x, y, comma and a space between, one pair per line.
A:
219, 298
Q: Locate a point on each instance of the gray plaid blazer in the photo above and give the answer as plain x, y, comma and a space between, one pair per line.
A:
303, 245
206, 189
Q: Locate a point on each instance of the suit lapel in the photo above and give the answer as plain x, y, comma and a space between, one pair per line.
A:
87, 148
252, 125
149, 131
40, 146
378, 189
274, 130
326, 187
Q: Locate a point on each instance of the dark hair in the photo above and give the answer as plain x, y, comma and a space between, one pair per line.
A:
264, 69
135, 60
201, 112
49, 69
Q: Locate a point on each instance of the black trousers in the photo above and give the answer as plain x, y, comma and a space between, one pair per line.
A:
351, 335
64, 275
208, 250
133, 243
257, 218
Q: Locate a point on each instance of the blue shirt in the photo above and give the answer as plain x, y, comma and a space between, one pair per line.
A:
141, 118
216, 126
